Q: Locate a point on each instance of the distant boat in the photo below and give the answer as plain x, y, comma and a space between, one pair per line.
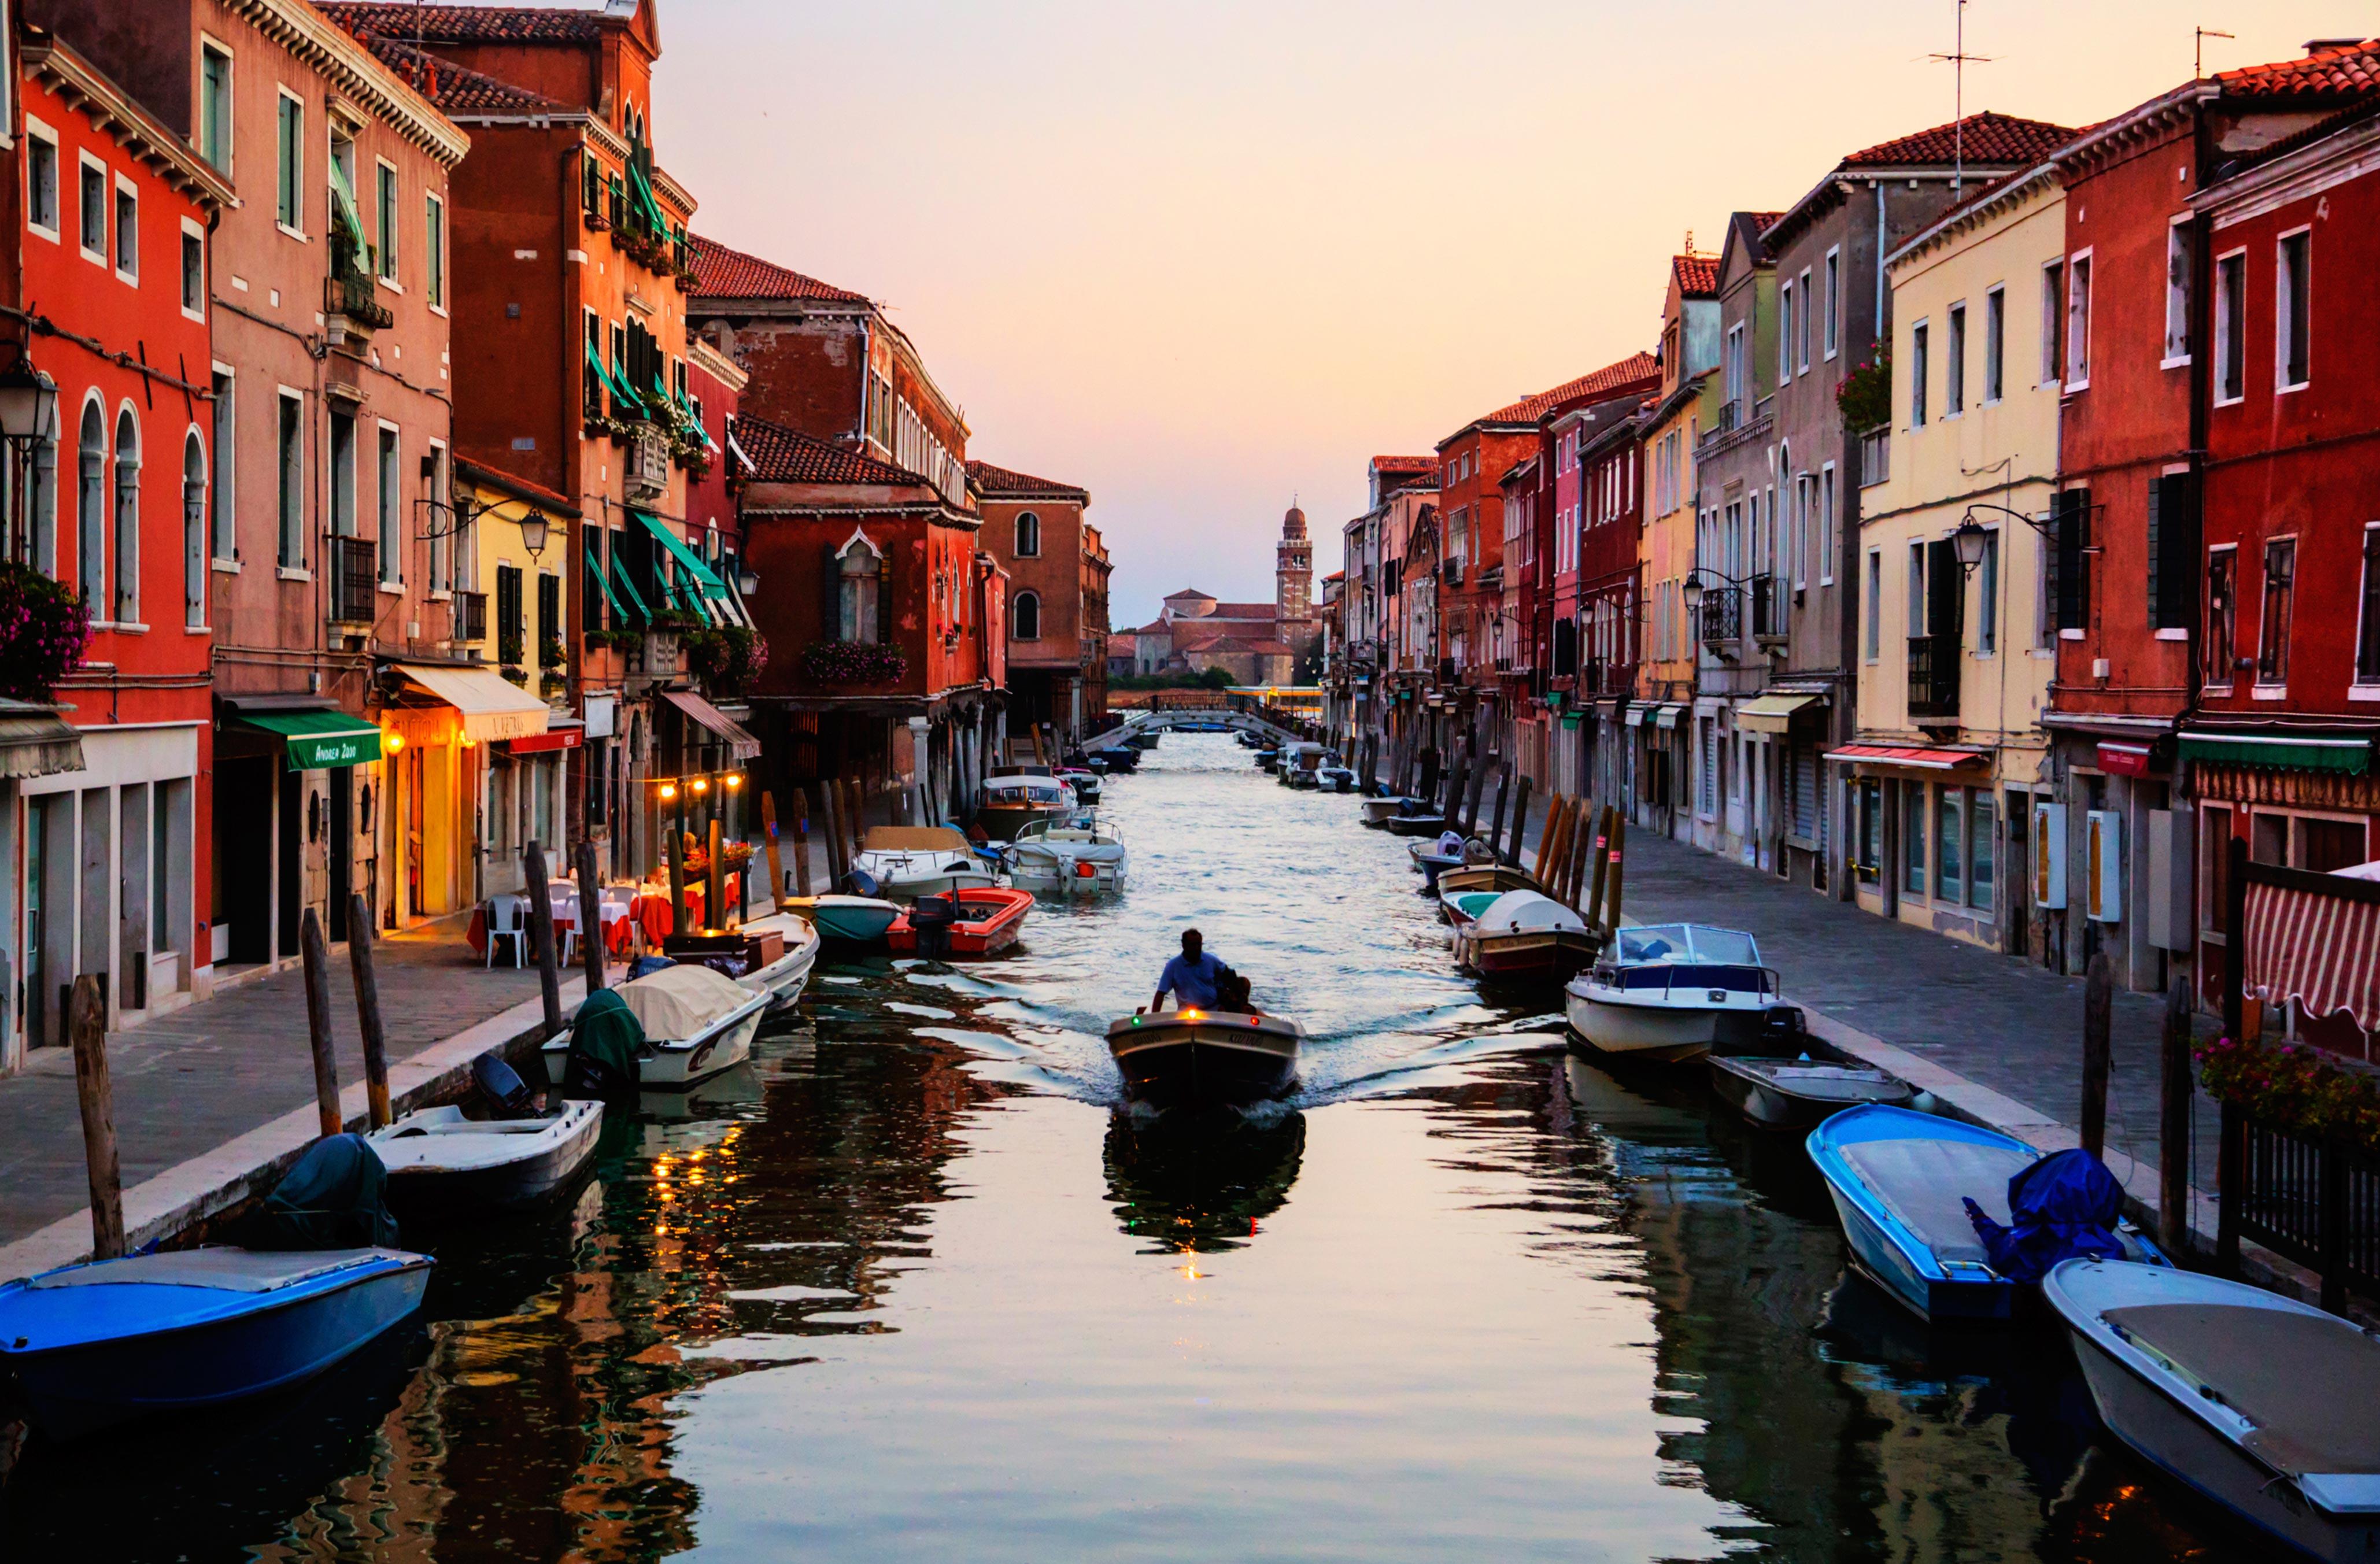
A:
1671, 991
907, 862
1379, 811
2264, 1405
1086, 782
100, 1343
1195, 1057
1334, 776
1898, 1177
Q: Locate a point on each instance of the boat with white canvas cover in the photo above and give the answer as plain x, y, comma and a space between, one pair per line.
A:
2266, 1406
907, 862
695, 1022
1670, 991
1520, 936
785, 978
1082, 854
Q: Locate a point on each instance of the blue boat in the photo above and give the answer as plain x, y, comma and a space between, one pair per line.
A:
105, 1341
1899, 1179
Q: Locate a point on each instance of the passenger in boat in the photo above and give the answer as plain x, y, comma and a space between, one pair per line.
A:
1193, 977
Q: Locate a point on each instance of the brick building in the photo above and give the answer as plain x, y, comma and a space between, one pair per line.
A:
1057, 615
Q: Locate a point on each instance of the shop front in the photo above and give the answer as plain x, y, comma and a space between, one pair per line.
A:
455, 815
36, 742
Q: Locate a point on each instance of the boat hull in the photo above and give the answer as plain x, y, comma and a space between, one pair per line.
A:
1215, 1061
1415, 825
784, 978
674, 1064
1771, 1106
1667, 1034
1554, 955
1378, 812
854, 925
1499, 878
1003, 821
78, 1390
909, 887
1877, 1256
981, 936
428, 1194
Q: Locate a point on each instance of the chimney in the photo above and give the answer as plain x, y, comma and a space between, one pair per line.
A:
2316, 48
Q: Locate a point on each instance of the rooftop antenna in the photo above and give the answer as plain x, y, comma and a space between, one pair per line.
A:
2199, 35
1958, 60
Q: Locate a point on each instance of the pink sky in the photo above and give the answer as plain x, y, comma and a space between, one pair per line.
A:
1200, 258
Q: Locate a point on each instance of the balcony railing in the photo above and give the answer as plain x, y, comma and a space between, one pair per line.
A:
1767, 608
355, 580
470, 616
1933, 676
1721, 615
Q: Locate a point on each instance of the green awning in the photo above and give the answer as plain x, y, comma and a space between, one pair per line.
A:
643, 191
620, 574
319, 740
2346, 757
712, 587
595, 563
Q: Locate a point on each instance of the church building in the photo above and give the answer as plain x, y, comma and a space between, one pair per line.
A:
1254, 643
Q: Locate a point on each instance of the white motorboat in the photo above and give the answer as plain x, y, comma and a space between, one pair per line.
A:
441, 1163
1520, 936
1299, 764
907, 862
696, 1023
2267, 1406
1378, 812
1669, 991
784, 978
1080, 853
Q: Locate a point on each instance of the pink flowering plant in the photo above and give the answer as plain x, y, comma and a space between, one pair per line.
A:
1864, 396
42, 633
852, 662
2294, 1088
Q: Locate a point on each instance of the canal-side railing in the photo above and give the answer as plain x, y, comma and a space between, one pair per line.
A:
2315, 1202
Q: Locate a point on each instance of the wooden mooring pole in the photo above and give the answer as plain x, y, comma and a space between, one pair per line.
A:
591, 919
2173, 1122
676, 845
1592, 908
714, 886
1617, 856
95, 1093
2098, 1015
541, 924
801, 841
1496, 824
1520, 824
368, 1019
315, 957
769, 832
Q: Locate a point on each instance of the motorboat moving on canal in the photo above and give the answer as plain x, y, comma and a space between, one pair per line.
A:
442, 1163
1060, 857
2265, 1405
1198, 1058
907, 862
670, 1029
1671, 991
981, 922
1909, 1188
1520, 936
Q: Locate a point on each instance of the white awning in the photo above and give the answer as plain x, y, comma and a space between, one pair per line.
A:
492, 706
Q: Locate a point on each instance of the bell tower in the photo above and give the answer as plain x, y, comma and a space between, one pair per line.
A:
1293, 570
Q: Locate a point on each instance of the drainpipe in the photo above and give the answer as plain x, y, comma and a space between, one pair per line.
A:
1878, 185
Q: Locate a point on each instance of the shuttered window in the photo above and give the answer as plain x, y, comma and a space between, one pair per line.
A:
2072, 589
2173, 549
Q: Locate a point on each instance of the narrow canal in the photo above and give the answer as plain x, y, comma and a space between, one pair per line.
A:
913, 1286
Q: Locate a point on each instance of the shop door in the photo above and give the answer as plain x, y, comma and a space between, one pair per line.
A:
243, 831
341, 836
290, 891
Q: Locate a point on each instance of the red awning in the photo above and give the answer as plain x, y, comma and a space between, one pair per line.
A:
2323, 951
2124, 760
1895, 755
552, 738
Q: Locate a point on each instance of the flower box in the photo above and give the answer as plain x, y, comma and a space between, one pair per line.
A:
853, 662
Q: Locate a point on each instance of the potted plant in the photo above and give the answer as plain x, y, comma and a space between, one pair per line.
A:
852, 662
2299, 1090
42, 633
1865, 393
727, 659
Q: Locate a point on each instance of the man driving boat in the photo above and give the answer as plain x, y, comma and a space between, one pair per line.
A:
1191, 977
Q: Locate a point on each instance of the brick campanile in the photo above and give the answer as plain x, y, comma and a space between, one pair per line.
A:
1293, 570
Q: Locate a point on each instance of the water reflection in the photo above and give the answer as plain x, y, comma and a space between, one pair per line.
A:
1203, 1185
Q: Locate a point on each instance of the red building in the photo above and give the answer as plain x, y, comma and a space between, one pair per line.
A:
1609, 606
107, 867
2122, 554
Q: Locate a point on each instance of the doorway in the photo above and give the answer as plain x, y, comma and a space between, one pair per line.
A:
243, 830
290, 837
341, 837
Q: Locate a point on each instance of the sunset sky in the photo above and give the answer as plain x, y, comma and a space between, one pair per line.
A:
1201, 257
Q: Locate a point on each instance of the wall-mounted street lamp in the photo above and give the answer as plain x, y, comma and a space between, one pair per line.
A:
748, 581
534, 528
28, 404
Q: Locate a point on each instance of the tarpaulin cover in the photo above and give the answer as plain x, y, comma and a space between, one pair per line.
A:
679, 1002
605, 1043
336, 1197
2323, 951
2062, 1207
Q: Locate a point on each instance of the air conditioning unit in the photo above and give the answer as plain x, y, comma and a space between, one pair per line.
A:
2105, 866
647, 473
2050, 855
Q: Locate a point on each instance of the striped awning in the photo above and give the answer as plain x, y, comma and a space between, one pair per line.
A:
1903, 754
2323, 951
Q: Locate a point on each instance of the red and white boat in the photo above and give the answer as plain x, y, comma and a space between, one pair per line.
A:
974, 921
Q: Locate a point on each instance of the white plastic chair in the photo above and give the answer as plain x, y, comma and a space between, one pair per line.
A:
565, 910
507, 919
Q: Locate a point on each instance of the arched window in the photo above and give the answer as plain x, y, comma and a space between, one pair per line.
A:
90, 510
859, 582
128, 518
1025, 617
194, 530
41, 501
1028, 536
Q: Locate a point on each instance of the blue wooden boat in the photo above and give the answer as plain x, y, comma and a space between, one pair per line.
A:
1899, 1178
105, 1341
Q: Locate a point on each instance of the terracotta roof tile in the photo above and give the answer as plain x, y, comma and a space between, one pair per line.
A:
995, 481
1696, 276
1404, 463
1989, 137
454, 89
722, 273
1529, 409
785, 455
467, 24
2339, 71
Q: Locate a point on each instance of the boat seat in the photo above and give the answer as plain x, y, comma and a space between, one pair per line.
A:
2311, 1383
1921, 1182
224, 1269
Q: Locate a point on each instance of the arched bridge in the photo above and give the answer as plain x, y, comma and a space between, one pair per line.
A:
1227, 718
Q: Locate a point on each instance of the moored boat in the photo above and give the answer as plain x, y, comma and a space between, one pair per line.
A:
1420, 824
1195, 1057
1378, 812
907, 862
1079, 856
1334, 776
1015, 797
690, 1024
1086, 782
1671, 991
442, 1164
981, 922
854, 920
1490, 876
1796, 1094
2266, 1406
1520, 936
786, 976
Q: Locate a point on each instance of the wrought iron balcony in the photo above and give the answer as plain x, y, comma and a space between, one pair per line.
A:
1934, 675
353, 564
1721, 615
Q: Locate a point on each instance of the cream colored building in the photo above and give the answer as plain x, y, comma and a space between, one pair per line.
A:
1956, 645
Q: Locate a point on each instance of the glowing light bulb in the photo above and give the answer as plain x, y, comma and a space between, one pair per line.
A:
395, 743
669, 790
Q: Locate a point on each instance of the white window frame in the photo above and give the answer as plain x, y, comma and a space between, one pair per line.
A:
444, 553
100, 257
1785, 331
2357, 689
381, 461
2257, 688
1989, 630
1834, 300
1921, 352
1995, 344
196, 571
210, 45
297, 175
192, 229
2225, 347
388, 220
2079, 278
1802, 327
1828, 524
39, 130
2052, 370
222, 477
123, 188
2281, 309
302, 570
2176, 294
434, 255
1954, 360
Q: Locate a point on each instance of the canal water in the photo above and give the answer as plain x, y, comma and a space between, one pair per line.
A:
915, 1285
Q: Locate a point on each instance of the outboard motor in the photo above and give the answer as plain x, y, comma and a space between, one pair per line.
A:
499, 1090
645, 966
859, 882
932, 918
1784, 1032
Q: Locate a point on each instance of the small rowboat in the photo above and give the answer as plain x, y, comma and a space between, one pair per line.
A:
1520, 936
1798, 1094
1378, 812
785, 978
1499, 878
105, 1341
1204, 1059
442, 1164
983, 922
1415, 825
855, 920
2267, 1406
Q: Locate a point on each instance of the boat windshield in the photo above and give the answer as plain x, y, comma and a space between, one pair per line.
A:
1725, 945
1660, 941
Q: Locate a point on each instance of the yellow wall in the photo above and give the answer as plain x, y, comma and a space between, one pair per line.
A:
1666, 552
496, 539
